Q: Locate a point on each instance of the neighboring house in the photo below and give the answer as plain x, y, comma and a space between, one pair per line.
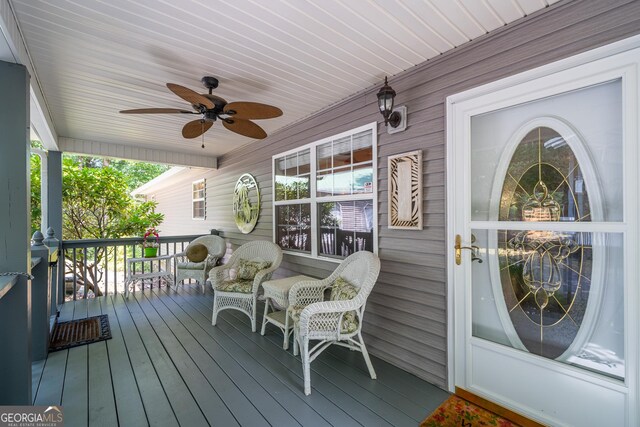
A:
183, 207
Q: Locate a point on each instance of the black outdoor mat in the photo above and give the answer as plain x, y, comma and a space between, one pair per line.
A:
80, 332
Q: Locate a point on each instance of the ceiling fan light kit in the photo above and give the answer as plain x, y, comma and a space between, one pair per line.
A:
235, 116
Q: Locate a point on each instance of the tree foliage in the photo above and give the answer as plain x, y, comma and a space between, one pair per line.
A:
36, 199
96, 204
138, 173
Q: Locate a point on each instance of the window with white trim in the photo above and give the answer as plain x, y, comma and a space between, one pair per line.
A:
325, 196
198, 199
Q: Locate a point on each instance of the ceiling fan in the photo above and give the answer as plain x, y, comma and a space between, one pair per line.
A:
235, 116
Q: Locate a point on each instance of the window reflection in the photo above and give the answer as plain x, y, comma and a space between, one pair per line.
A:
293, 228
345, 227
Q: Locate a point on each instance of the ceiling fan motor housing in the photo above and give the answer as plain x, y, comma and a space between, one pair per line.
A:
209, 82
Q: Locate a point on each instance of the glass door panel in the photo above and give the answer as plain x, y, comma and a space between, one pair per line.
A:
555, 294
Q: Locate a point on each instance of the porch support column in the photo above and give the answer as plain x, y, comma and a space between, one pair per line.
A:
15, 224
54, 215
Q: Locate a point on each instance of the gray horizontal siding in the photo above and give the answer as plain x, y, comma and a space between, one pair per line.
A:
405, 322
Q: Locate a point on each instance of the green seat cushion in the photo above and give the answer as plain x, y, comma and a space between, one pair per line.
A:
295, 311
197, 252
191, 265
247, 269
236, 285
342, 290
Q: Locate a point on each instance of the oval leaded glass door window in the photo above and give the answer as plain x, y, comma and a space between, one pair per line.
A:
545, 275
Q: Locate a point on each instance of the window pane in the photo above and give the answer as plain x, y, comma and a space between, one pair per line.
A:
304, 186
342, 152
293, 231
324, 184
345, 227
342, 181
198, 209
280, 178
323, 154
304, 162
362, 143
363, 179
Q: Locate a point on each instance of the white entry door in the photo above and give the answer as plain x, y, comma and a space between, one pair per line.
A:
543, 236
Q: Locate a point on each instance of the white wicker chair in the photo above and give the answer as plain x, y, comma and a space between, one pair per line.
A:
185, 269
229, 293
316, 319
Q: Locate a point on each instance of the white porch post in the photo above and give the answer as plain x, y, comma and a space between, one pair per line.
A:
15, 219
54, 217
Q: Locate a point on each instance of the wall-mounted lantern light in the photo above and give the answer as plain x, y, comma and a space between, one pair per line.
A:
386, 96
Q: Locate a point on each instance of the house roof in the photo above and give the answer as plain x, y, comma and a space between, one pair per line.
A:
160, 181
90, 59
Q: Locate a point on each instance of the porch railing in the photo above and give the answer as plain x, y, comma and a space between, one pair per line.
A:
96, 267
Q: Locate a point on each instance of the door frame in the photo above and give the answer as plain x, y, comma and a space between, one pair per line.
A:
538, 83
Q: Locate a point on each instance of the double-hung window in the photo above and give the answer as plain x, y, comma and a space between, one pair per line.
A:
325, 196
198, 199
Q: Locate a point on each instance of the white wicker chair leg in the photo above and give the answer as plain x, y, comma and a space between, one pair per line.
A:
365, 354
285, 344
296, 345
306, 368
253, 315
264, 317
214, 316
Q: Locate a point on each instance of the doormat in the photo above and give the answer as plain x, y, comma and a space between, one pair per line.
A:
80, 332
457, 412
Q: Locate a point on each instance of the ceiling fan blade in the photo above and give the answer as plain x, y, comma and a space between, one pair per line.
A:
195, 128
252, 110
244, 127
194, 98
157, 111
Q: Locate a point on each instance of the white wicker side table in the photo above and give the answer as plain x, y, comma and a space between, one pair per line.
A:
161, 274
276, 296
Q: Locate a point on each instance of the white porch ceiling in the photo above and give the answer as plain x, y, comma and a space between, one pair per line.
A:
93, 58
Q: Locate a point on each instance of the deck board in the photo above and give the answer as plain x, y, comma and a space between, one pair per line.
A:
184, 406
379, 398
200, 388
326, 386
237, 387
102, 405
75, 398
157, 406
262, 379
125, 388
166, 365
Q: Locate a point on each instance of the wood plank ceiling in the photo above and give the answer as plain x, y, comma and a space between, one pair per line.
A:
94, 57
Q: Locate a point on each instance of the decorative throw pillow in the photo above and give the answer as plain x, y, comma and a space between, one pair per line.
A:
197, 252
342, 290
247, 269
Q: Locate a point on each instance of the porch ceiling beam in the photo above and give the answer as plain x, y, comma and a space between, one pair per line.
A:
13, 49
122, 151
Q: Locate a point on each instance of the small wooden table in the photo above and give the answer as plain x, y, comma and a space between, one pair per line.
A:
276, 295
160, 274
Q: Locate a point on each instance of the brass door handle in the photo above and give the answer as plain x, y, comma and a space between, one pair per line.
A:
458, 248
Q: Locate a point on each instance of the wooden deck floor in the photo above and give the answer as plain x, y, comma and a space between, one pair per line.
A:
166, 365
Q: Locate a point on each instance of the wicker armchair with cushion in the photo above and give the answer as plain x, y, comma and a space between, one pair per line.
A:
337, 320
199, 258
236, 283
